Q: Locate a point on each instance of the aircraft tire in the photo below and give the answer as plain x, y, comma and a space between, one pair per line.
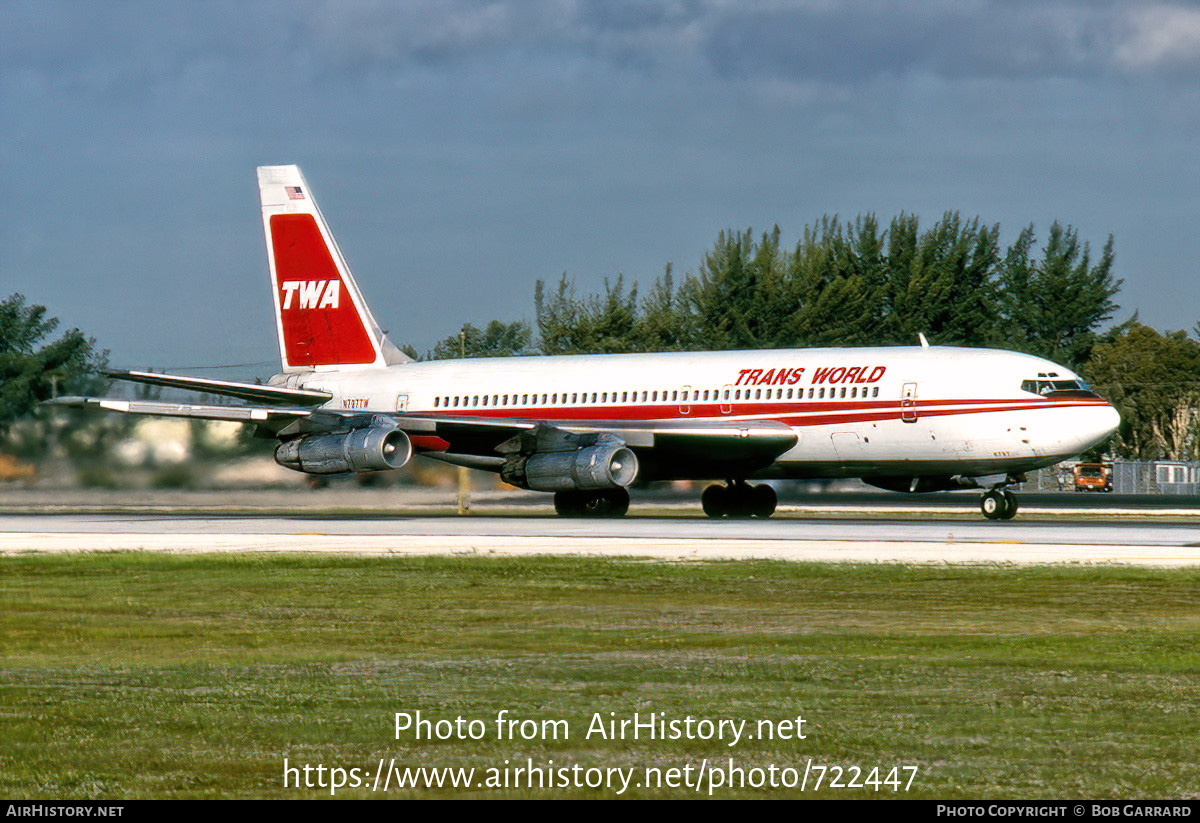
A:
568, 504
993, 505
618, 501
763, 501
1010, 505
603, 503
715, 501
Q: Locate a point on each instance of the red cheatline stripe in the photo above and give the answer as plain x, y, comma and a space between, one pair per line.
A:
798, 414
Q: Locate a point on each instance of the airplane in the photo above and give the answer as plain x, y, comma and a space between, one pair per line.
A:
909, 419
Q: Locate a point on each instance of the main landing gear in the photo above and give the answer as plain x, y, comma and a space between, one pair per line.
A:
998, 504
592, 503
738, 499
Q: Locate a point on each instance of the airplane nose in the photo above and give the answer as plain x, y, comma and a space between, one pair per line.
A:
1089, 427
1104, 421
1110, 420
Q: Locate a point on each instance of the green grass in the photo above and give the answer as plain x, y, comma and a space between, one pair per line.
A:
138, 675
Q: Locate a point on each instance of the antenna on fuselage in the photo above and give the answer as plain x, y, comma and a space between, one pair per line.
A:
924, 342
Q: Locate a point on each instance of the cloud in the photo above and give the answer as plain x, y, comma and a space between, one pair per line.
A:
1161, 36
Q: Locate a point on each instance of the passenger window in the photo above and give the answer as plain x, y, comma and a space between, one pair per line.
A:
643, 397
810, 394
654, 397
843, 391
604, 397
821, 394
875, 392
435, 402
475, 400
593, 397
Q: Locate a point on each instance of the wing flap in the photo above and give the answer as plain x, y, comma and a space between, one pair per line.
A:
233, 414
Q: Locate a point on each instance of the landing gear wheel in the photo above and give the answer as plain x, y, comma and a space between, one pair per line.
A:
1010, 504
715, 501
738, 500
763, 501
601, 503
568, 504
992, 505
999, 504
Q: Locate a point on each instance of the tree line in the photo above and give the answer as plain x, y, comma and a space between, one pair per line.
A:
841, 284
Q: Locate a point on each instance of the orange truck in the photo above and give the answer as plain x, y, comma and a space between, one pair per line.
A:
1093, 477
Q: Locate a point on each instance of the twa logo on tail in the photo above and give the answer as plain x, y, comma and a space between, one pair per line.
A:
314, 294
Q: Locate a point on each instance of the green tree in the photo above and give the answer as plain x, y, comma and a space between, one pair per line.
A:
738, 299
497, 339
1153, 380
1055, 305
663, 323
33, 367
853, 284
831, 289
940, 282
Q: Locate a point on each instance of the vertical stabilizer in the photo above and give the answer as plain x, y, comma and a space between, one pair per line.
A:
321, 317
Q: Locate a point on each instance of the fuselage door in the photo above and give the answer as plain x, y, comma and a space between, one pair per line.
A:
402, 402
908, 403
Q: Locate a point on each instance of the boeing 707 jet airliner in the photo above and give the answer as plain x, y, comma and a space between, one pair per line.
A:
909, 419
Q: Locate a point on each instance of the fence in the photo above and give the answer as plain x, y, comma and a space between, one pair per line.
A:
1129, 477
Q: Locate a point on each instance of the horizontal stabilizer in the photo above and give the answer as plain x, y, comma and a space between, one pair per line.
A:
243, 391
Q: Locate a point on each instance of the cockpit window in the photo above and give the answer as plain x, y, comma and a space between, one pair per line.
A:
1056, 387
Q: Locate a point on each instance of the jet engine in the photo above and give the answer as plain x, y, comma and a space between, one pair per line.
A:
371, 448
571, 462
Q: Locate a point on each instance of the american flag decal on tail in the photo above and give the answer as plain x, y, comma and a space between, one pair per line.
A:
294, 192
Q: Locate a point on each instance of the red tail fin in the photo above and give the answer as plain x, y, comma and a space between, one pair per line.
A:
321, 316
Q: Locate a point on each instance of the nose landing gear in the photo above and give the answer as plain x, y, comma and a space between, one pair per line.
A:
739, 499
998, 504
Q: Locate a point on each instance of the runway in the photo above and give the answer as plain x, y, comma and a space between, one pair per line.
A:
845, 539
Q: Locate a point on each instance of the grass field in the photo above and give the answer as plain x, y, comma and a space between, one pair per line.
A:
137, 675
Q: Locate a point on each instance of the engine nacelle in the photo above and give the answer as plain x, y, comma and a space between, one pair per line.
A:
603, 466
372, 448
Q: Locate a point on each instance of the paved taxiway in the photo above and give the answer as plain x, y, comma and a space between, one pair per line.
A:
846, 540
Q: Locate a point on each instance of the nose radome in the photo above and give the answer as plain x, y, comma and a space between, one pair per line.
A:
1112, 419
1104, 420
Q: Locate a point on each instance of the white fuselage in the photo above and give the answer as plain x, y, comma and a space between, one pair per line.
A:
856, 411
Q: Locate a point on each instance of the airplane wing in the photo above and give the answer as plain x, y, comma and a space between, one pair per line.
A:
276, 417
243, 391
664, 447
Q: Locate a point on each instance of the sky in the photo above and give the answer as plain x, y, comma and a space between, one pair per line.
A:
461, 151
